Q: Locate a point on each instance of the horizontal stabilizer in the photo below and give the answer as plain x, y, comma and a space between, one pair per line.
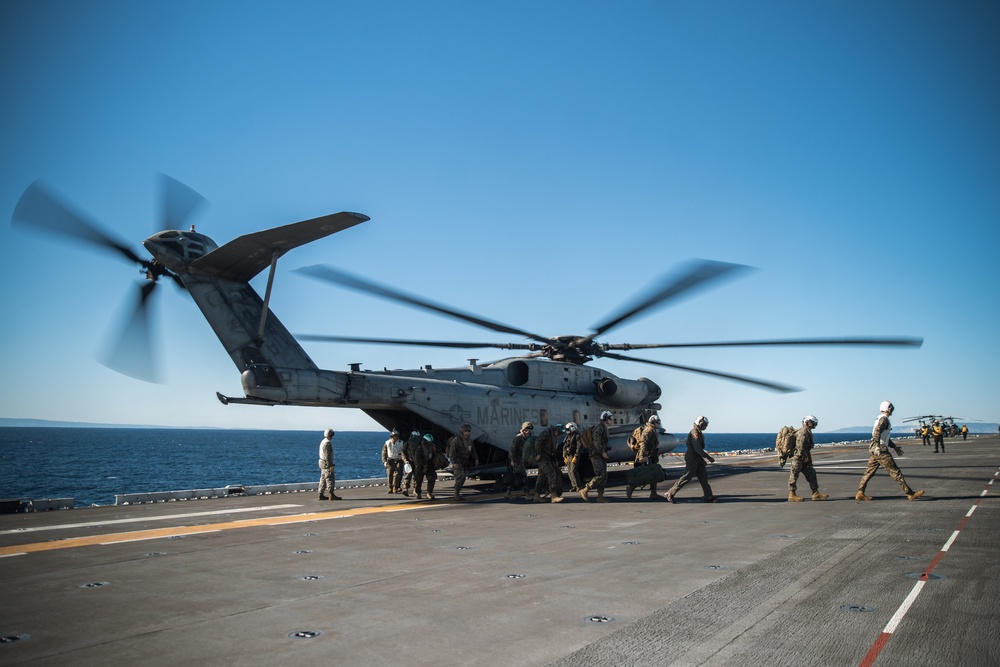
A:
246, 256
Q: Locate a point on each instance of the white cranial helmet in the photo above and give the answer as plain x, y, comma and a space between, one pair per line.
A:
886, 406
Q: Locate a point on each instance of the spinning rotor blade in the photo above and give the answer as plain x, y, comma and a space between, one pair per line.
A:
132, 351
40, 209
336, 277
875, 342
697, 275
179, 203
774, 386
422, 343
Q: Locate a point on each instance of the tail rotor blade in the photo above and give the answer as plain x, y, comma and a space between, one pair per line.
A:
131, 352
41, 209
179, 203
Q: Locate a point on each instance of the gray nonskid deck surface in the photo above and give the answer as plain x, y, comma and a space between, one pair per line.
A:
753, 580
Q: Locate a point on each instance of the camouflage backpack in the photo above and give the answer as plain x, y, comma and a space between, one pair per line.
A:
636, 438
528, 453
587, 438
784, 444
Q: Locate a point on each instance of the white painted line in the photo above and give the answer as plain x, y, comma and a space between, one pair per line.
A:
969, 513
164, 517
159, 537
950, 541
23, 553
903, 608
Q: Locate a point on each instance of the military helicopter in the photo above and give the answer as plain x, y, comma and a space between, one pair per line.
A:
948, 425
549, 384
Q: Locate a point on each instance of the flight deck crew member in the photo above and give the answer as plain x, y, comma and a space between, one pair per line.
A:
925, 434
878, 455
549, 474
462, 453
327, 476
965, 432
423, 466
938, 432
595, 443
409, 450
392, 459
648, 453
515, 462
802, 461
694, 462
571, 448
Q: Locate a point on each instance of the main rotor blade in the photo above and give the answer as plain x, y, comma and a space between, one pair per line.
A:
766, 384
179, 203
331, 275
41, 209
698, 274
423, 343
875, 342
131, 353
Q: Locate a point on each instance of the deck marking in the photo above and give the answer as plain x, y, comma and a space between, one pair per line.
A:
900, 614
156, 533
90, 524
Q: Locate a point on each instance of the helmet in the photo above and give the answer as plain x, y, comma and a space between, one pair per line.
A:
394, 432
429, 438
465, 427
526, 426
606, 415
572, 427
810, 419
701, 422
328, 433
654, 420
414, 434
886, 406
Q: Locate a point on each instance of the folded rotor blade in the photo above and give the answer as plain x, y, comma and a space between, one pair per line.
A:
179, 203
423, 343
39, 208
131, 353
766, 384
861, 342
698, 274
330, 275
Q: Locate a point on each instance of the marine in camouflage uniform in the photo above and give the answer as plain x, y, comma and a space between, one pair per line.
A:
802, 461
694, 463
327, 474
648, 453
878, 455
570, 449
461, 452
409, 450
549, 474
423, 465
518, 480
598, 452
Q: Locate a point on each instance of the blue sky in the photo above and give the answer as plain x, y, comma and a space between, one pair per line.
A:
538, 163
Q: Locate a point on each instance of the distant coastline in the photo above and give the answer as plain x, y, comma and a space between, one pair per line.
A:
974, 427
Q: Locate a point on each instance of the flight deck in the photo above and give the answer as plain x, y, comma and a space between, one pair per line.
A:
377, 578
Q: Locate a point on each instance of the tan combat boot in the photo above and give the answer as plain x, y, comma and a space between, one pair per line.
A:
557, 499
583, 494
820, 496
913, 495
792, 498
861, 496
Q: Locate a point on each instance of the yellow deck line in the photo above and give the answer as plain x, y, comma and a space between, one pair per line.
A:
136, 535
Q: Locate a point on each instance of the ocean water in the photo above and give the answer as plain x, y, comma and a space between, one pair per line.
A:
93, 464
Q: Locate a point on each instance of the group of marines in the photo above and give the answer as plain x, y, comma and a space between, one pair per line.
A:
409, 463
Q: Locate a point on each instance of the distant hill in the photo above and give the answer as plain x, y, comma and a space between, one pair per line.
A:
30, 423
